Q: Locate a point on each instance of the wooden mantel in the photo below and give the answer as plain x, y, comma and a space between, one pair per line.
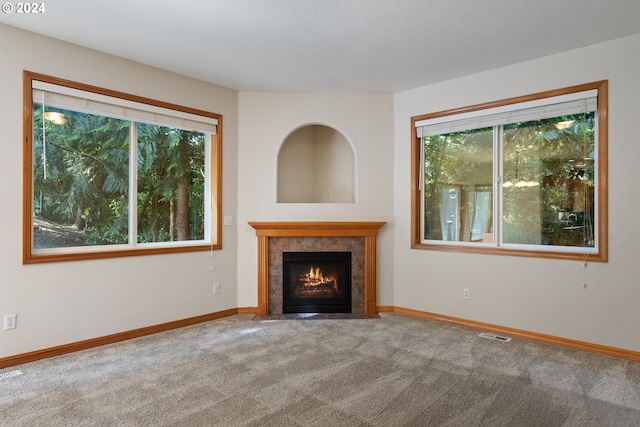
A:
367, 229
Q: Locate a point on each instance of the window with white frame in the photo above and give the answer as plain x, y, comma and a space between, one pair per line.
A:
110, 174
523, 176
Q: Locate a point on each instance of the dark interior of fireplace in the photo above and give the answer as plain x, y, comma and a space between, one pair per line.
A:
316, 282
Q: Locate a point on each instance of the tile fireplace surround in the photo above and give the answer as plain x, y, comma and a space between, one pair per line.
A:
277, 237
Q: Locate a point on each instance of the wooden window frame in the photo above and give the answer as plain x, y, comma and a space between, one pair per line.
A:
601, 254
29, 256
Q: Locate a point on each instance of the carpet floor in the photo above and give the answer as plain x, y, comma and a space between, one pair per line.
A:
388, 371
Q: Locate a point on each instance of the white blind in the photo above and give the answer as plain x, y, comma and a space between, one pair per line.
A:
539, 109
93, 103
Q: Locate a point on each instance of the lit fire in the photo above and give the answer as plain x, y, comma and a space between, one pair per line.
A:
314, 277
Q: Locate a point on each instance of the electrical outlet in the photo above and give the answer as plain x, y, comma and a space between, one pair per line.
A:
10, 321
216, 288
466, 294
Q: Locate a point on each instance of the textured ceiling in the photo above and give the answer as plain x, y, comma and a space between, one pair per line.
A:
351, 46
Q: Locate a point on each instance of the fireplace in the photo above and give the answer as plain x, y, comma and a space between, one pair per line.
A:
274, 238
316, 282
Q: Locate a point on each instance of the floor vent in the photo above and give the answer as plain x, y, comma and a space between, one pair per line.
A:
495, 337
9, 374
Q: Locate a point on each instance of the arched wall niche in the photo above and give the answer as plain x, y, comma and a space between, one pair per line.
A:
316, 164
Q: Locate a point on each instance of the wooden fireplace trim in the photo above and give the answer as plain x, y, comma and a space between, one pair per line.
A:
366, 229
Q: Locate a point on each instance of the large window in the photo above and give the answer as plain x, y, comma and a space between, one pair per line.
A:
522, 176
109, 174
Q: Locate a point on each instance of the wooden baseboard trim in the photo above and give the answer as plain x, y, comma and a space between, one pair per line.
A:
19, 359
113, 338
519, 333
248, 310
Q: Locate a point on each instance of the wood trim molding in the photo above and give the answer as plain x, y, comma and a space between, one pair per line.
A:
113, 338
368, 229
602, 254
316, 229
248, 310
519, 333
28, 256
33, 356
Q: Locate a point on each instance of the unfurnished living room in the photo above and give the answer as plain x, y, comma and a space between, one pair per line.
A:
320, 213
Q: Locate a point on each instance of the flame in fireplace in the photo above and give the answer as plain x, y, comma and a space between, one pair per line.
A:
314, 277
315, 274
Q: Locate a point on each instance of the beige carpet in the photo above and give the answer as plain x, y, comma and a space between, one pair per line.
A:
391, 371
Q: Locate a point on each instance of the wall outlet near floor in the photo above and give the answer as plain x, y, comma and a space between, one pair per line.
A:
10, 321
466, 294
216, 288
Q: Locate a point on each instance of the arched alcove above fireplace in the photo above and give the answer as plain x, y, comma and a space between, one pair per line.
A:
316, 164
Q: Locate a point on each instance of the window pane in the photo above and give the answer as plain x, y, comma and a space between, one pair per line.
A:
81, 198
171, 184
80, 179
458, 185
548, 182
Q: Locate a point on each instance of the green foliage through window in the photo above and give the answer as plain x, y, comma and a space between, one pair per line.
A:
102, 176
529, 184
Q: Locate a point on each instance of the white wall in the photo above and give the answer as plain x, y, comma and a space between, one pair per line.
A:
59, 303
538, 295
316, 165
266, 119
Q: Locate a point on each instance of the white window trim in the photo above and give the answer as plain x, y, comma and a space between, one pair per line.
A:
538, 109
94, 103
